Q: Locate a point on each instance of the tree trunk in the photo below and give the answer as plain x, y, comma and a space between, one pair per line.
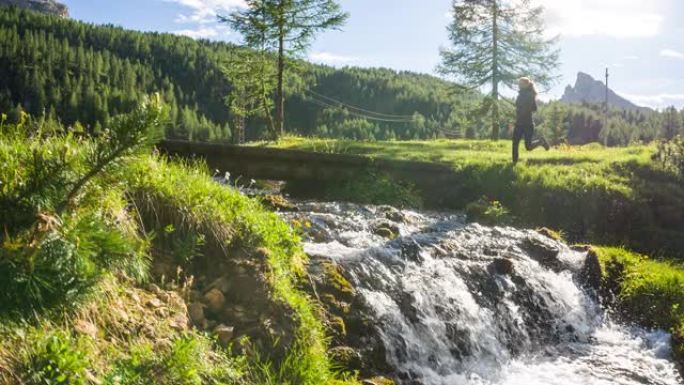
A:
495, 71
239, 130
280, 96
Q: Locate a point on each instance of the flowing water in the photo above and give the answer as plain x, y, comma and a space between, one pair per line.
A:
451, 308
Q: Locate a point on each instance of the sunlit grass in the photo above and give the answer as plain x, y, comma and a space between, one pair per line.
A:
650, 292
592, 193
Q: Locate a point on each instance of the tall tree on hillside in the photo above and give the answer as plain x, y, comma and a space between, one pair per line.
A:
555, 122
496, 42
672, 122
285, 27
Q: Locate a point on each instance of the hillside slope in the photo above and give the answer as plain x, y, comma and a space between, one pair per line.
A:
88, 73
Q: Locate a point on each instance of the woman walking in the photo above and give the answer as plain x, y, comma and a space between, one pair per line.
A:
526, 105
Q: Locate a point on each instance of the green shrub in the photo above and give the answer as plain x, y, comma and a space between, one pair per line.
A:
489, 213
49, 274
66, 224
55, 359
670, 154
189, 360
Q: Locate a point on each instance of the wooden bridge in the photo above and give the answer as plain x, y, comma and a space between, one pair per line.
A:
433, 180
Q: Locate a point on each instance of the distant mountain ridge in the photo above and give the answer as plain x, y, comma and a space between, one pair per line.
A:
45, 6
589, 90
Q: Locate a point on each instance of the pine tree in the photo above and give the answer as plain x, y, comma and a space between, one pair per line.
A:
672, 123
556, 122
287, 27
497, 42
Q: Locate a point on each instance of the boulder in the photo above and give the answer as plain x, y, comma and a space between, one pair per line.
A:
196, 312
224, 334
222, 284
591, 274
386, 229
215, 300
544, 252
346, 357
502, 266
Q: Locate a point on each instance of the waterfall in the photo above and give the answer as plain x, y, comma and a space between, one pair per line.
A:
458, 303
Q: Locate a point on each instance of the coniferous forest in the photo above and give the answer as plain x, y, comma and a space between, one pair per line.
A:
83, 74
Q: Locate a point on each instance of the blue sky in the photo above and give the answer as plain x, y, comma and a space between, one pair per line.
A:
640, 40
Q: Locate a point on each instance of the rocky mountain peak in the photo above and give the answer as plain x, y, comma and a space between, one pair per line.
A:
45, 6
589, 90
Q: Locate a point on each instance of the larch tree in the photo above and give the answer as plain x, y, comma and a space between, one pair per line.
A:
495, 42
286, 28
672, 123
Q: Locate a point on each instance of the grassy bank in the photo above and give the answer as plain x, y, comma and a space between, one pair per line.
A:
645, 291
92, 220
593, 194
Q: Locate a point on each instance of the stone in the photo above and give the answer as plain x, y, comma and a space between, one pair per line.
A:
278, 202
154, 303
543, 252
196, 312
215, 300
393, 214
338, 326
551, 234
164, 296
386, 230
591, 274
347, 357
408, 309
502, 266
224, 334
222, 284
195, 295
179, 322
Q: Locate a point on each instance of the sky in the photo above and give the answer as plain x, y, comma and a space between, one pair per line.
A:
640, 41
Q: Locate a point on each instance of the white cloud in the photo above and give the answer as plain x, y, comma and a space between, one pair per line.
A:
205, 11
331, 59
202, 33
613, 18
672, 54
656, 101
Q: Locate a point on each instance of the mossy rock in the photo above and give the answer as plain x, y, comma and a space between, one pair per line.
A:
551, 234
334, 304
337, 326
277, 202
335, 282
346, 357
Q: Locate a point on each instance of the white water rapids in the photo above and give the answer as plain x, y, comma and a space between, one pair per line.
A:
447, 315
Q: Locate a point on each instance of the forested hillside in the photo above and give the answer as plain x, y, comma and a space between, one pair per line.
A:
83, 74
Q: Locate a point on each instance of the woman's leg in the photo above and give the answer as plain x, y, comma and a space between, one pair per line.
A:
529, 143
517, 136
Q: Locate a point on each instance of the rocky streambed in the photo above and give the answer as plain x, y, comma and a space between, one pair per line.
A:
425, 298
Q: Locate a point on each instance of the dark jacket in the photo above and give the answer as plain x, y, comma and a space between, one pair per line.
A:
525, 106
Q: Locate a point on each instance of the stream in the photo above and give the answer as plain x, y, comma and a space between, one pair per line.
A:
457, 303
